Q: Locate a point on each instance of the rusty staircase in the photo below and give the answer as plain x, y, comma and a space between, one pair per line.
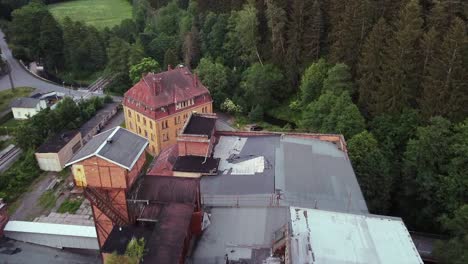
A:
99, 200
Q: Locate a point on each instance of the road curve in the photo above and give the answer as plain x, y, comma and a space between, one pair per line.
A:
21, 77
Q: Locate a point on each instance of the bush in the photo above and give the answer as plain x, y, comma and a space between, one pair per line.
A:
229, 106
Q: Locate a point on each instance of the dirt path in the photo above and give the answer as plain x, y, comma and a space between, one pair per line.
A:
28, 207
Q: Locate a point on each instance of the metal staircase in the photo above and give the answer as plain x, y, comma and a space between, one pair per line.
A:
99, 200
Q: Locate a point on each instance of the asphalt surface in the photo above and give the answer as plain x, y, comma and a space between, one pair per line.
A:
22, 77
29, 253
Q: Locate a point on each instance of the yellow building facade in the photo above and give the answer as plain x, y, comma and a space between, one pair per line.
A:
162, 132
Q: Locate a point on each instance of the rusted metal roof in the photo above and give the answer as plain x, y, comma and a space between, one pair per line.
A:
168, 239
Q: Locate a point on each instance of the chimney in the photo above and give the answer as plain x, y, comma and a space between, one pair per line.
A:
155, 86
195, 80
169, 67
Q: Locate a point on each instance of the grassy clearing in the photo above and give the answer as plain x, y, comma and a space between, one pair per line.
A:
70, 206
98, 13
47, 200
8, 95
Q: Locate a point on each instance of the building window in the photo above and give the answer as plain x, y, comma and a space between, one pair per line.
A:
165, 137
144, 121
129, 113
138, 118
131, 125
164, 124
177, 120
139, 130
152, 136
151, 124
146, 134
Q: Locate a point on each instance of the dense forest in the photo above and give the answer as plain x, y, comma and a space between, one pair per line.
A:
390, 75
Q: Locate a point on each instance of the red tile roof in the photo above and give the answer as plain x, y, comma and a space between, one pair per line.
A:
163, 89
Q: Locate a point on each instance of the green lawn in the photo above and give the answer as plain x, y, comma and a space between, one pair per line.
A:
98, 13
8, 95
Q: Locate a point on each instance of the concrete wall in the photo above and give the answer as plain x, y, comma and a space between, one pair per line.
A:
66, 153
56, 161
153, 129
48, 161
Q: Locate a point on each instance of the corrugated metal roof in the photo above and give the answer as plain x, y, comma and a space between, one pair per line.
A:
51, 229
330, 237
238, 229
116, 145
25, 102
316, 174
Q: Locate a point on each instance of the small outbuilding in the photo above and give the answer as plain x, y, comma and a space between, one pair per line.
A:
57, 150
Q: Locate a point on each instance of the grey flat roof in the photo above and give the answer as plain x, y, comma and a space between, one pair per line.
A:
303, 171
116, 145
316, 174
25, 102
239, 232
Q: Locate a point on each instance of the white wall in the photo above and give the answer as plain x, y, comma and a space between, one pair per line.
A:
22, 113
56, 241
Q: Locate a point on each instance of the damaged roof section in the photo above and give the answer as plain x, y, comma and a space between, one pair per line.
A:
289, 170
205, 165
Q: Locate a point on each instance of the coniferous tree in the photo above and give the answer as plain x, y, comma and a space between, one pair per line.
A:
401, 66
370, 72
313, 35
51, 43
295, 36
170, 58
191, 48
445, 86
349, 33
277, 21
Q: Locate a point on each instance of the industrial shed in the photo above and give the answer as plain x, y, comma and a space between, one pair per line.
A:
57, 150
53, 235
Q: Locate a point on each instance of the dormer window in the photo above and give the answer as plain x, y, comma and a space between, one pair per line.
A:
185, 104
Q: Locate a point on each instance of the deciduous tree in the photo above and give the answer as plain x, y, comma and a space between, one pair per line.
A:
372, 170
146, 65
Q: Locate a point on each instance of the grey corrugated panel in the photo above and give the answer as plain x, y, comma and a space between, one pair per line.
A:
92, 146
238, 227
25, 102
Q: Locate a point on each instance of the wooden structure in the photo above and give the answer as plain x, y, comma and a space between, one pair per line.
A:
106, 168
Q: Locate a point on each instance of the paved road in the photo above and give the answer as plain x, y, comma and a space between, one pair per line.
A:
28, 209
22, 77
36, 254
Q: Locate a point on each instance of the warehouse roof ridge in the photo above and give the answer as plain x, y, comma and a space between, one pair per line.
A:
116, 145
